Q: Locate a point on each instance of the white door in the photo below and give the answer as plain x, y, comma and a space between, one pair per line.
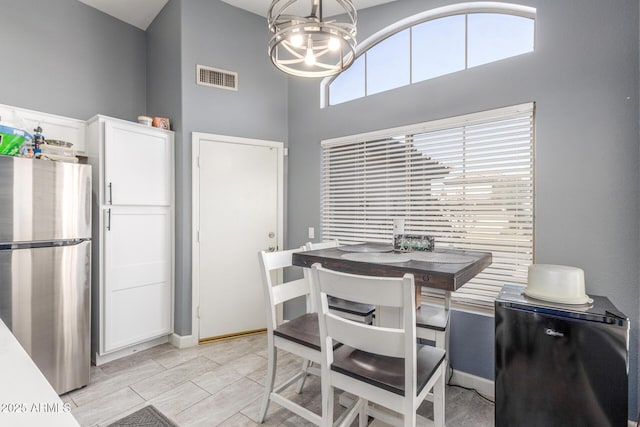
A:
137, 165
240, 208
138, 276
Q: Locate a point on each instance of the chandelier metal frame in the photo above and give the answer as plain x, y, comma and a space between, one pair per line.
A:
308, 46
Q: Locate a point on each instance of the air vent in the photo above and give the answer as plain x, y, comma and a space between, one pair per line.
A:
214, 77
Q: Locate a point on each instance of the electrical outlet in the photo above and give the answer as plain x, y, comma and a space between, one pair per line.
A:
312, 233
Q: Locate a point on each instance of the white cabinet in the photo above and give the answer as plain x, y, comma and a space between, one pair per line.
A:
133, 259
136, 160
137, 266
53, 127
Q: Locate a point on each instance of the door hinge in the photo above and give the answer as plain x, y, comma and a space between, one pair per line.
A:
198, 236
198, 161
198, 312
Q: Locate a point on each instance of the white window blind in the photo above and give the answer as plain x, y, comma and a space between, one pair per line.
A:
467, 181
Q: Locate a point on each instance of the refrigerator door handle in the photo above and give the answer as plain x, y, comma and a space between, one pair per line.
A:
553, 332
110, 193
108, 219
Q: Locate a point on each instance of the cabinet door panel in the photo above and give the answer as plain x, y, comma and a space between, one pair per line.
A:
138, 276
138, 314
137, 165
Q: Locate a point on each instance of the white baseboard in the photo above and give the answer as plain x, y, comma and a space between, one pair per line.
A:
106, 358
484, 386
183, 341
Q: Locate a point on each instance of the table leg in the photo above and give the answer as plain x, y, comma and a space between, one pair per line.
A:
447, 307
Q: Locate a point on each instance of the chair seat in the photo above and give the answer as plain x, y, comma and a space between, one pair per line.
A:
431, 317
303, 330
346, 306
386, 372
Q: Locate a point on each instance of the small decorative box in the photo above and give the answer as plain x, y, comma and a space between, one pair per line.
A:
413, 242
161, 122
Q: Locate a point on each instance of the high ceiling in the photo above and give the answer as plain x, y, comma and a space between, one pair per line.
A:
145, 11
260, 7
140, 16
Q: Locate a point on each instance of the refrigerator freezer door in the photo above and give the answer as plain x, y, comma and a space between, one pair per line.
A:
42, 201
554, 371
44, 300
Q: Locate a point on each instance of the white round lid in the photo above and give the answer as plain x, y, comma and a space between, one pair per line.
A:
556, 283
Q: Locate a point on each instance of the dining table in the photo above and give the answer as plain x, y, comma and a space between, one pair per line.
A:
443, 269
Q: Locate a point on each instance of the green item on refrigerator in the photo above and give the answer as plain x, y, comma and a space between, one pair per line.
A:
11, 140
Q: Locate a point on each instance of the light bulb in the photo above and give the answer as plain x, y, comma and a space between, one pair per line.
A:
334, 43
296, 40
310, 58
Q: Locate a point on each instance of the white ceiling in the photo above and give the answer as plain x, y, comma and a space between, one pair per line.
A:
140, 16
145, 11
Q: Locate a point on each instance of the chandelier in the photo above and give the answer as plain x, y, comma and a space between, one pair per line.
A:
307, 45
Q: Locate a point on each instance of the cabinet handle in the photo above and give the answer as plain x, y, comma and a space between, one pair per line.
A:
108, 219
110, 193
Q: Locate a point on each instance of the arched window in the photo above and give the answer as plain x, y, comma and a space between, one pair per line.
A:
431, 44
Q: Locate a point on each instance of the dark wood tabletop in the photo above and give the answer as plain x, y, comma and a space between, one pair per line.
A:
446, 276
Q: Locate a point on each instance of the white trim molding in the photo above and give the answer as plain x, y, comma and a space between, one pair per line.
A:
129, 351
183, 341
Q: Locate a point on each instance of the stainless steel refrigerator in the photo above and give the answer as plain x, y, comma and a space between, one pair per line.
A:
45, 264
558, 364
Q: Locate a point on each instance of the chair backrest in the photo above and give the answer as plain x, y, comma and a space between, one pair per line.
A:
321, 245
310, 246
397, 293
274, 293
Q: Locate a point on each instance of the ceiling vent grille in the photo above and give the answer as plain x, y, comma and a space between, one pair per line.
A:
214, 77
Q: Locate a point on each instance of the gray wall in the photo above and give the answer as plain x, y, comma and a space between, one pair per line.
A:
218, 35
164, 89
64, 57
212, 33
583, 77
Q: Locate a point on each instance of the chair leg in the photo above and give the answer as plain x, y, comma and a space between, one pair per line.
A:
410, 417
442, 341
269, 380
327, 404
305, 369
363, 419
439, 397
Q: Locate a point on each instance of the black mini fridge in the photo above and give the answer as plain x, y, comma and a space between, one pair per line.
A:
560, 365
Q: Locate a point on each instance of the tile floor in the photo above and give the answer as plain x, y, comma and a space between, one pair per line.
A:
219, 384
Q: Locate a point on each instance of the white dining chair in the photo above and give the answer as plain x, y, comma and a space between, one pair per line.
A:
348, 309
432, 324
380, 365
299, 336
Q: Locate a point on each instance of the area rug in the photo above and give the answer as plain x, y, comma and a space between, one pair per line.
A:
147, 417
